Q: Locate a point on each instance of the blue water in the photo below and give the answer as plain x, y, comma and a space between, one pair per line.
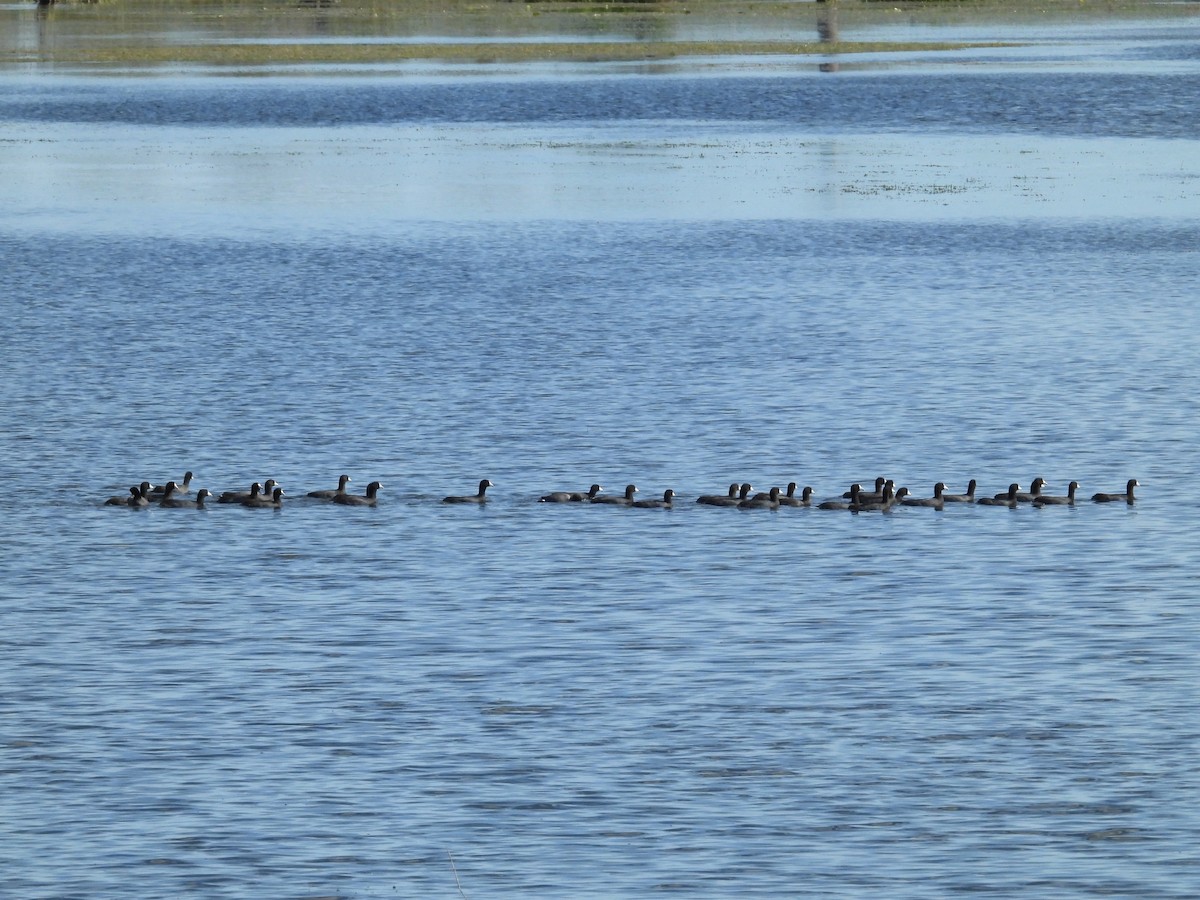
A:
241, 279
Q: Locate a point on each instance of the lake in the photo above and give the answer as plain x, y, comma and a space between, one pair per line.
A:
933, 267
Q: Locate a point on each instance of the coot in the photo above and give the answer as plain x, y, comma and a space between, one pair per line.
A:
367, 499
1069, 500
472, 498
665, 503
174, 502
1127, 497
625, 500
790, 499
331, 493
1008, 499
968, 497
937, 501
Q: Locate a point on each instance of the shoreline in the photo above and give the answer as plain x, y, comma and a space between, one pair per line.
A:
264, 55
143, 34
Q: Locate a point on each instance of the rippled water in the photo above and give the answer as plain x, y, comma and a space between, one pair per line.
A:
676, 280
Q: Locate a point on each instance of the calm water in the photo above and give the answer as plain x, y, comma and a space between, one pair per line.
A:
984, 267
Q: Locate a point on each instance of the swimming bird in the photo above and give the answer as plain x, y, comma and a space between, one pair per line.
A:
770, 500
1008, 499
733, 499
136, 497
855, 489
1010, 494
123, 499
968, 497
880, 483
937, 501
571, 496
1069, 500
174, 502
624, 500
168, 492
1126, 497
1035, 490
473, 498
181, 487
367, 499
666, 502
876, 496
264, 489
331, 493
790, 499
889, 499
720, 499
240, 496
264, 501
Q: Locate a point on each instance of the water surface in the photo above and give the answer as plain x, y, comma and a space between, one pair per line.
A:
674, 279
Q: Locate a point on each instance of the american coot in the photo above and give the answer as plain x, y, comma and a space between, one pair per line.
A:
968, 497
174, 502
571, 496
1035, 490
1069, 500
137, 496
770, 500
666, 502
1126, 497
877, 494
1010, 494
473, 498
127, 499
625, 500
241, 496
265, 489
1008, 499
854, 491
720, 499
123, 499
181, 487
889, 499
168, 492
367, 499
937, 501
742, 493
888, 490
331, 493
580, 497
274, 500
790, 499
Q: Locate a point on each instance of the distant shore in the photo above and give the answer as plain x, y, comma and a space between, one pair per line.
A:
244, 35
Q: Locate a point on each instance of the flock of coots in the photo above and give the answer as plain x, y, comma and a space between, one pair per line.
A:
885, 496
260, 495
